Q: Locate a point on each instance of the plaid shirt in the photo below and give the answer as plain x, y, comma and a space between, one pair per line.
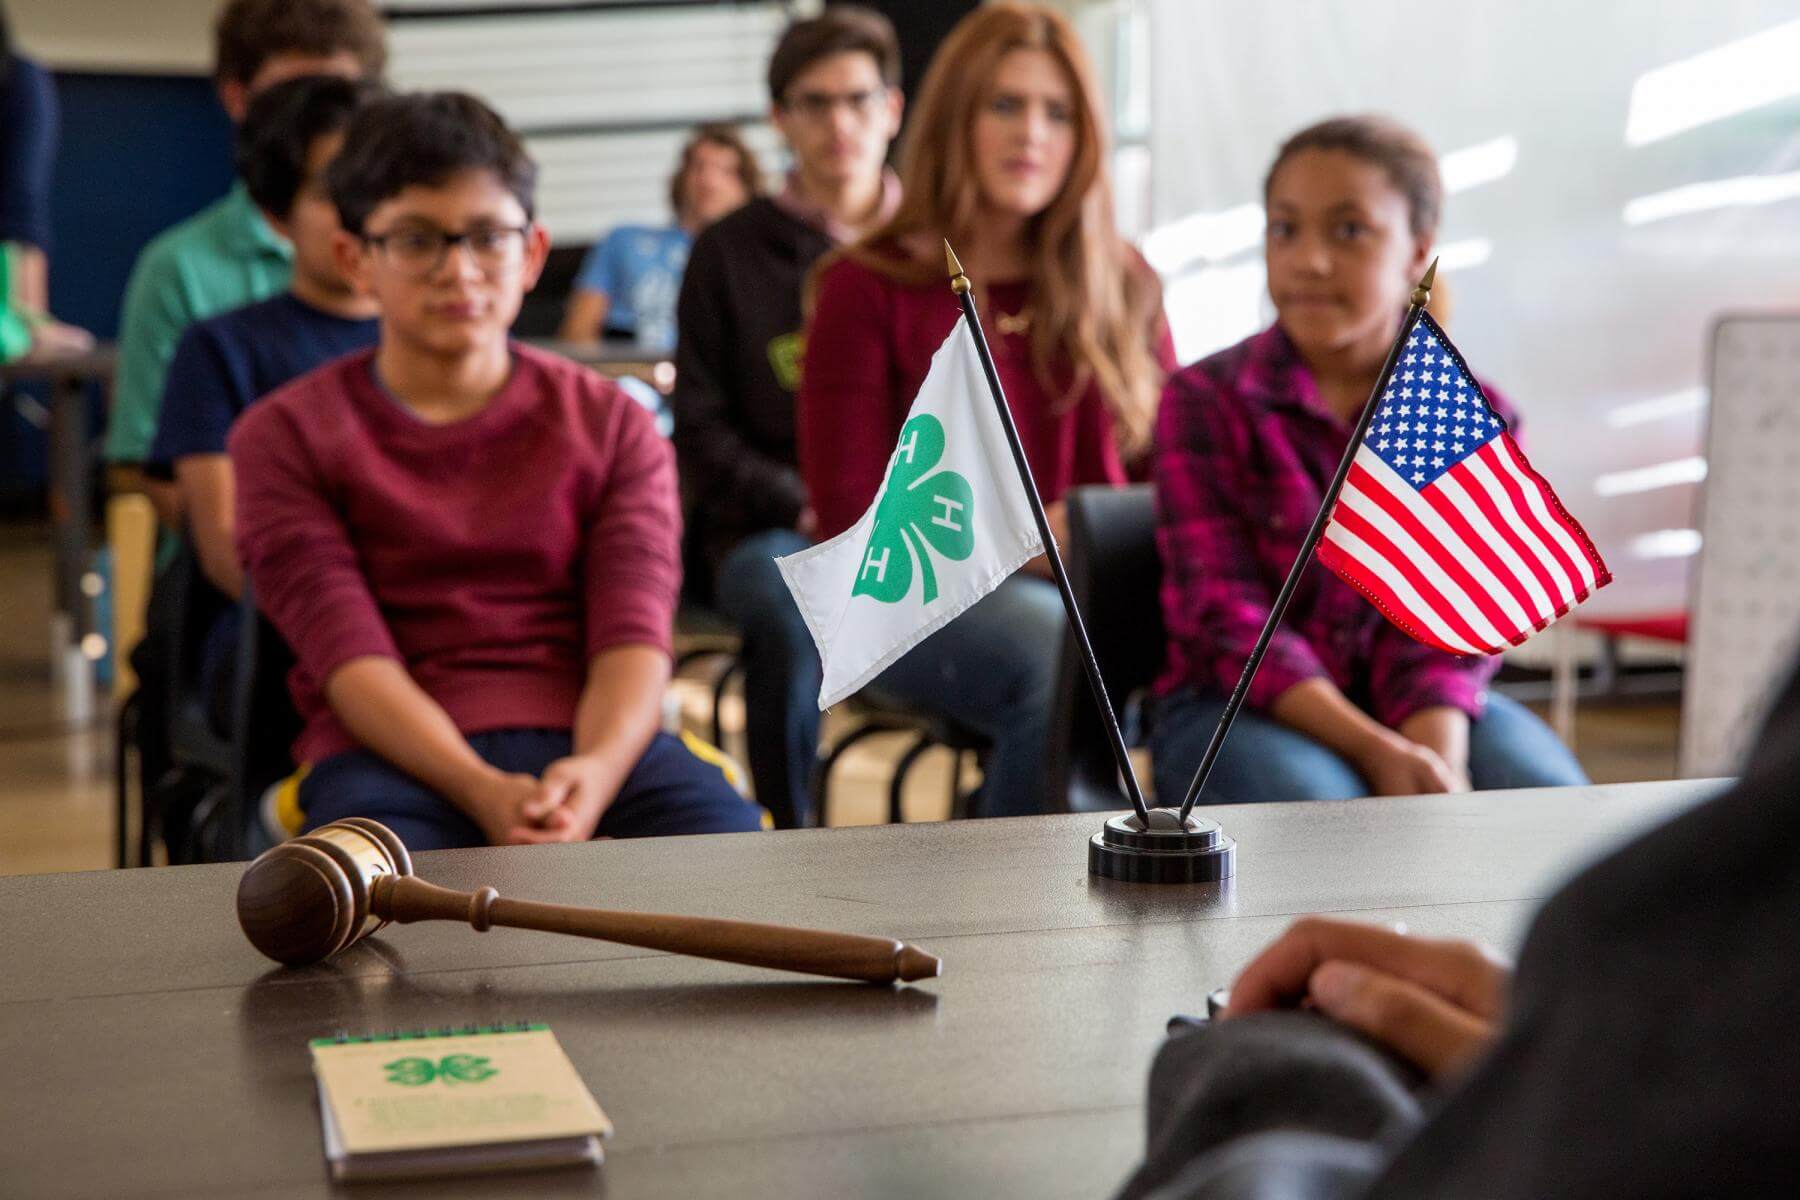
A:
1244, 452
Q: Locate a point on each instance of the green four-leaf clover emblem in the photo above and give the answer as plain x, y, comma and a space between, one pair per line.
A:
452, 1068
919, 508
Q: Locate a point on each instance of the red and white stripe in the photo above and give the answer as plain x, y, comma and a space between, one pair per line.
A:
1479, 560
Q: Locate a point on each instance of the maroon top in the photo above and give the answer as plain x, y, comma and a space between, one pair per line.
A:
493, 556
868, 349
1244, 452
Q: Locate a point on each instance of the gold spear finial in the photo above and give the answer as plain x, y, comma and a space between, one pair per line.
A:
1422, 294
959, 283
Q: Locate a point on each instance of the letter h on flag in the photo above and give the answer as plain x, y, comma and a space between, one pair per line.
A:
1441, 521
951, 522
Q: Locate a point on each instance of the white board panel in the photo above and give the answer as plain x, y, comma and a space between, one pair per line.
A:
1746, 600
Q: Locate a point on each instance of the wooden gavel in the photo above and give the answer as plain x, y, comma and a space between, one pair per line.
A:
310, 897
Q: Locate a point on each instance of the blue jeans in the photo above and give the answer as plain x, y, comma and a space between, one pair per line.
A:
993, 669
781, 674
670, 791
1263, 759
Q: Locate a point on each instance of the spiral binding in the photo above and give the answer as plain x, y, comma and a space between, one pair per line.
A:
344, 1037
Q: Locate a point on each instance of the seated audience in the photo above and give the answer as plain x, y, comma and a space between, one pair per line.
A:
834, 95
472, 547
28, 129
1345, 703
225, 363
1007, 160
1637, 1052
629, 282
226, 255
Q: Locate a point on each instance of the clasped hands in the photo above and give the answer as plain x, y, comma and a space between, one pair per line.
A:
1434, 1002
1428, 753
564, 805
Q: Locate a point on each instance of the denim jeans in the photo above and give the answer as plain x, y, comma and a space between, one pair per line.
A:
993, 669
781, 674
1263, 759
671, 790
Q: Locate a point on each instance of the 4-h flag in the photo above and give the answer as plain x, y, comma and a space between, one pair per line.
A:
950, 522
1444, 525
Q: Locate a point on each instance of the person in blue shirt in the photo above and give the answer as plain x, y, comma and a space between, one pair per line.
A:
629, 282
224, 364
29, 117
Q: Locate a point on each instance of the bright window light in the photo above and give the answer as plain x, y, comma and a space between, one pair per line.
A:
1657, 408
1214, 308
1460, 256
1720, 83
1481, 163
1666, 543
1204, 237
1648, 479
1745, 191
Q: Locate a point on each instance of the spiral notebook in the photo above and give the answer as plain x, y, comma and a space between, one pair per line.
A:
452, 1102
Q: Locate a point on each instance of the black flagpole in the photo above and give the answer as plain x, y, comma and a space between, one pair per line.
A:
1421, 296
959, 283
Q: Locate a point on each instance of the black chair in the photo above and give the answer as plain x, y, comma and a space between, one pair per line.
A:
1115, 573
264, 725
202, 806
701, 633
193, 755
878, 712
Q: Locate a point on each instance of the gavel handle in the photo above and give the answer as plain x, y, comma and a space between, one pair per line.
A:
405, 898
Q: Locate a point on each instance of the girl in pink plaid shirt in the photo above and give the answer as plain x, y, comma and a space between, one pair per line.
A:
1345, 704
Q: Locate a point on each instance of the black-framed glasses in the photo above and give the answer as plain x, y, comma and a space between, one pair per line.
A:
422, 250
818, 106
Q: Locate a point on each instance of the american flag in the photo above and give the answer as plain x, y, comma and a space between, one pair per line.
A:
1444, 525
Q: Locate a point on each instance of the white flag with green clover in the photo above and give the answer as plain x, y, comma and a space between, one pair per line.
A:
951, 521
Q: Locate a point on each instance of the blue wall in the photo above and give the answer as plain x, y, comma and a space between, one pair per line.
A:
138, 153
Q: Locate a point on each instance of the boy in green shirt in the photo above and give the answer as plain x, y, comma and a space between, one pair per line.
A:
226, 255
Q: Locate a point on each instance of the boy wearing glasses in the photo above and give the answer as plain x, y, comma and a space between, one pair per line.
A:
472, 547
834, 96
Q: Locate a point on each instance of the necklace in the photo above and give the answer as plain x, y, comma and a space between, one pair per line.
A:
1019, 322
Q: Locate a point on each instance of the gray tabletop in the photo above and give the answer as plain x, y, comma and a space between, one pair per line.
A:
147, 1049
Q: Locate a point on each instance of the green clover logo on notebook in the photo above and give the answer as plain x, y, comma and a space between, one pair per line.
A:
920, 511
452, 1068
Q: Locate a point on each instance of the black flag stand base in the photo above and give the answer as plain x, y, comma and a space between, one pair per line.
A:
1163, 849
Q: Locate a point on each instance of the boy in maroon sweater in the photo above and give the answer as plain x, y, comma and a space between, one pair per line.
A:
472, 547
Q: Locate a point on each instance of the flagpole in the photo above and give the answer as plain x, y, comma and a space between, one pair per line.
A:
1421, 296
959, 283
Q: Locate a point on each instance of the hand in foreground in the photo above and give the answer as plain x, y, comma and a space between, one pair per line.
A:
1398, 766
1434, 1002
575, 793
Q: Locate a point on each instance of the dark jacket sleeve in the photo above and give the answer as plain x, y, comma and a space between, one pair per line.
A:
715, 459
29, 117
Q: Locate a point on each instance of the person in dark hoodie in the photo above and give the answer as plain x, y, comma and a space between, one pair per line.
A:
834, 95
1646, 1046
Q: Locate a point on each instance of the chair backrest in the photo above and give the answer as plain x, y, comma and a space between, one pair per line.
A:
1745, 588
1115, 573
264, 724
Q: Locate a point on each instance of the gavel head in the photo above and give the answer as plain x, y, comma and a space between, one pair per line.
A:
308, 898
